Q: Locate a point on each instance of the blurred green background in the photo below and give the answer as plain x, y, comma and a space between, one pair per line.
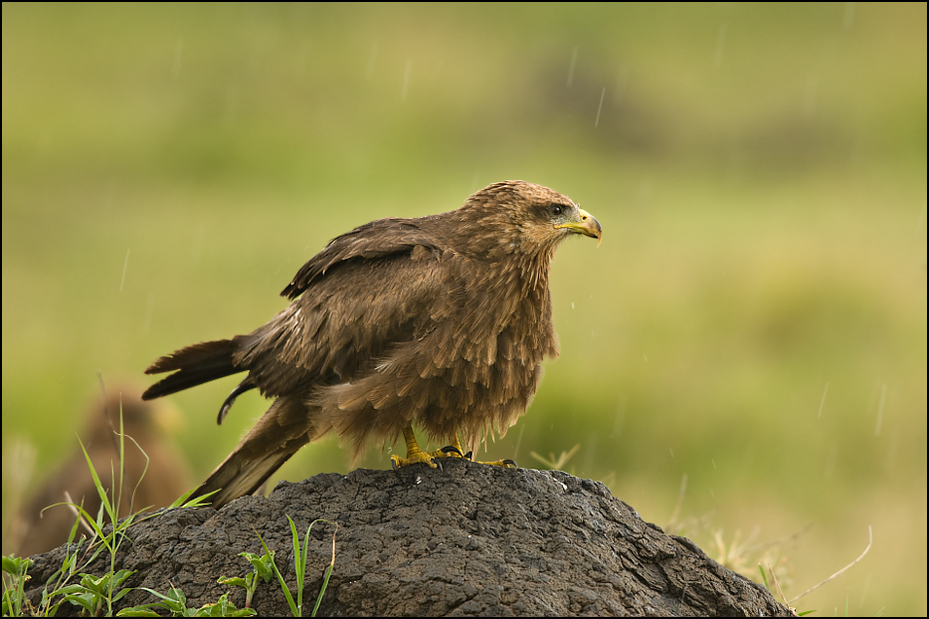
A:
754, 322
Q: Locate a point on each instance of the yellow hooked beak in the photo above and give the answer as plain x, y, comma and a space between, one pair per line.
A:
587, 225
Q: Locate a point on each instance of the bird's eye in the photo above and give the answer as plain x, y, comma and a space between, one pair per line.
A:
556, 210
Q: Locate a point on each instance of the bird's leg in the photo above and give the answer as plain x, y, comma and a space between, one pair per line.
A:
452, 451
413, 453
456, 450
507, 463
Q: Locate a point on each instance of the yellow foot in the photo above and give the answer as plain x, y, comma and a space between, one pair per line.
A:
412, 458
455, 450
415, 455
507, 464
452, 451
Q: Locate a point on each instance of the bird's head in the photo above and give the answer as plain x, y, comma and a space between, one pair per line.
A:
516, 216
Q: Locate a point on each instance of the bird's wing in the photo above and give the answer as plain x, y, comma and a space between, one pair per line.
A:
368, 291
384, 237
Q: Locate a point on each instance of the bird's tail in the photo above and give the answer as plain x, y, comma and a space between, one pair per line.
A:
281, 431
239, 476
192, 366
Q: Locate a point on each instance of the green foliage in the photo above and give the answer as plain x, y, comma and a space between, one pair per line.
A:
96, 595
175, 603
262, 567
14, 581
296, 607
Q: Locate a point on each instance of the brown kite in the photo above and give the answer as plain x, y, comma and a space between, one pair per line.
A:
441, 322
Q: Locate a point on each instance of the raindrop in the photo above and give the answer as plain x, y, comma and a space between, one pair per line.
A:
809, 96
880, 410
125, 268
372, 58
848, 16
196, 247
720, 45
831, 460
178, 55
149, 313
590, 451
921, 221
823, 401
600, 107
620, 418
892, 449
231, 106
406, 79
571, 68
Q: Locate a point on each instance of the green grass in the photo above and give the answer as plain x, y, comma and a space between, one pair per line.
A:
759, 172
97, 595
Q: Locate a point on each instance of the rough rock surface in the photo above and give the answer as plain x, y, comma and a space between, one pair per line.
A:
467, 539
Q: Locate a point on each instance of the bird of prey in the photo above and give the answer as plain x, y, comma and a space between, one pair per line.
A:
439, 322
153, 473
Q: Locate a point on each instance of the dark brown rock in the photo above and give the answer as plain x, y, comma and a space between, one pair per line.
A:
468, 539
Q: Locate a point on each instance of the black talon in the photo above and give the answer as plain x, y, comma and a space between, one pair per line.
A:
508, 462
468, 456
451, 448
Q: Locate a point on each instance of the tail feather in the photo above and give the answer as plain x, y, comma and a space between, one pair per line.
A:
240, 476
192, 366
280, 433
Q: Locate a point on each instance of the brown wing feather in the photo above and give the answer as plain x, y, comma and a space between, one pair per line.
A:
343, 323
472, 367
377, 239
